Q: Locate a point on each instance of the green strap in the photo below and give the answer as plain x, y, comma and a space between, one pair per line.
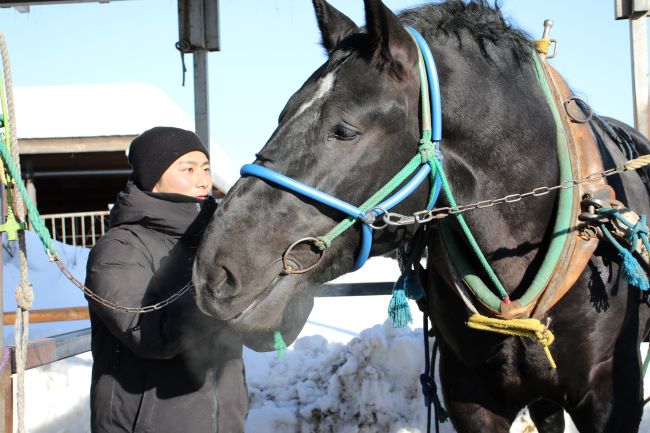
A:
426, 153
561, 226
373, 201
468, 273
32, 213
468, 233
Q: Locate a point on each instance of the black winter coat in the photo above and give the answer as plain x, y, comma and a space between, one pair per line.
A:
173, 370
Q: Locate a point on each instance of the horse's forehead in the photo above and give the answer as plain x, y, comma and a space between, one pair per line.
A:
324, 88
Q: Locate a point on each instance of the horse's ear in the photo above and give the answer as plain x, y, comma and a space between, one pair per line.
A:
392, 47
333, 24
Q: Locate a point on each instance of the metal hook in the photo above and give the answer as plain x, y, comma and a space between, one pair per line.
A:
583, 105
380, 210
288, 269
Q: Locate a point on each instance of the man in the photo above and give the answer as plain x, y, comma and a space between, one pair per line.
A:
174, 369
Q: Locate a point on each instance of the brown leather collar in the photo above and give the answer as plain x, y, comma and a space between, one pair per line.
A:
585, 159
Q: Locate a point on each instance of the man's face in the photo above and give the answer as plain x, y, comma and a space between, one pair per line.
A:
188, 175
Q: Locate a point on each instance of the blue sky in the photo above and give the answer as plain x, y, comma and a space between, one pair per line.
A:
269, 47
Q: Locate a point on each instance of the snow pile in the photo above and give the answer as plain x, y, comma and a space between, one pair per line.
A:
369, 385
343, 375
57, 397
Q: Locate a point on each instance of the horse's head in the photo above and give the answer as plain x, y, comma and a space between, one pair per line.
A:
351, 126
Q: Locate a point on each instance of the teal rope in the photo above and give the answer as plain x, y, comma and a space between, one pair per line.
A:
646, 362
468, 233
426, 151
631, 269
32, 213
374, 200
637, 231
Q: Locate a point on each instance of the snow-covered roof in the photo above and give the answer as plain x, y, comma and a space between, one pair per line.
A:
103, 110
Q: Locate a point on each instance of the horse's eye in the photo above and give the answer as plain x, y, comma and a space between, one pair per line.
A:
344, 133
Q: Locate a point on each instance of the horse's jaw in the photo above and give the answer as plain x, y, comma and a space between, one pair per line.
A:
284, 306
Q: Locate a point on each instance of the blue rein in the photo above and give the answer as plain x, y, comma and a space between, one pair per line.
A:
353, 211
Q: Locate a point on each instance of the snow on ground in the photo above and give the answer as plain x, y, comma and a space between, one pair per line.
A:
348, 372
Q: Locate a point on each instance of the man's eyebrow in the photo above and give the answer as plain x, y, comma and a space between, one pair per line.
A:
194, 162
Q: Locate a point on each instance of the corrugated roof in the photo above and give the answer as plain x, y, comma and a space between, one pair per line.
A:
113, 109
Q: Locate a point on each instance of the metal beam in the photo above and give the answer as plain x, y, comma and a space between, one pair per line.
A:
76, 173
639, 55
201, 98
354, 289
23, 6
625, 9
636, 12
51, 349
14, 3
198, 33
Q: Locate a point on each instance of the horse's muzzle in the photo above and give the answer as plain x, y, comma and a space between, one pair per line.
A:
219, 293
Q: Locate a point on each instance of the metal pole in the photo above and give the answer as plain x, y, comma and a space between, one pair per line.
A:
639, 54
201, 104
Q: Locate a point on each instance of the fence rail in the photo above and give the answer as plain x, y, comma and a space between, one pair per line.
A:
58, 347
77, 228
51, 349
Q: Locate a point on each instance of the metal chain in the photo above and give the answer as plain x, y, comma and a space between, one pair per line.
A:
388, 218
425, 216
140, 310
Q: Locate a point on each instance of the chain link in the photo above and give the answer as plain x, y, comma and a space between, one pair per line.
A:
425, 216
389, 218
95, 297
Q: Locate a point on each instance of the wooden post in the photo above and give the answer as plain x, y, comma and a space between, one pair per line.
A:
636, 11
7, 400
6, 392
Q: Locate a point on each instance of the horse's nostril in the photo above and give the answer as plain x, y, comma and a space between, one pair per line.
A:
221, 282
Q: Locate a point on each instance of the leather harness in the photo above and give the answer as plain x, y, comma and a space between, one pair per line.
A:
585, 159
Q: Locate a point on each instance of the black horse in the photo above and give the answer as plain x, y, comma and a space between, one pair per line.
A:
350, 128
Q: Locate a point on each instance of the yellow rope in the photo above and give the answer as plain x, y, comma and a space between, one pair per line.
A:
530, 328
639, 162
542, 45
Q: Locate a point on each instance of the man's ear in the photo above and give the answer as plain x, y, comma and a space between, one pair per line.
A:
334, 25
392, 46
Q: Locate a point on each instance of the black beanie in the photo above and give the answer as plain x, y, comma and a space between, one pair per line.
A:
155, 150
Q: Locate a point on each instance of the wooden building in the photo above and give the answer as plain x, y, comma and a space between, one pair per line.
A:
73, 141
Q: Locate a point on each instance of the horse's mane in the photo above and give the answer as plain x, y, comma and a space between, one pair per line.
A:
478, 19
483, 22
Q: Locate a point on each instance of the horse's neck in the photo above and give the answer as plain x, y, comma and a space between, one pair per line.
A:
508, 146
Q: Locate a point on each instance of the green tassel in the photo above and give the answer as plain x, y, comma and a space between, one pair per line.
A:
280, 345
632, 271
442, 415
398, 309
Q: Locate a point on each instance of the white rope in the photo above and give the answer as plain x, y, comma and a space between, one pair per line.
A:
24, 292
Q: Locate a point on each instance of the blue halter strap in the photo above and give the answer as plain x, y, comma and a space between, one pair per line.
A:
366, 217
